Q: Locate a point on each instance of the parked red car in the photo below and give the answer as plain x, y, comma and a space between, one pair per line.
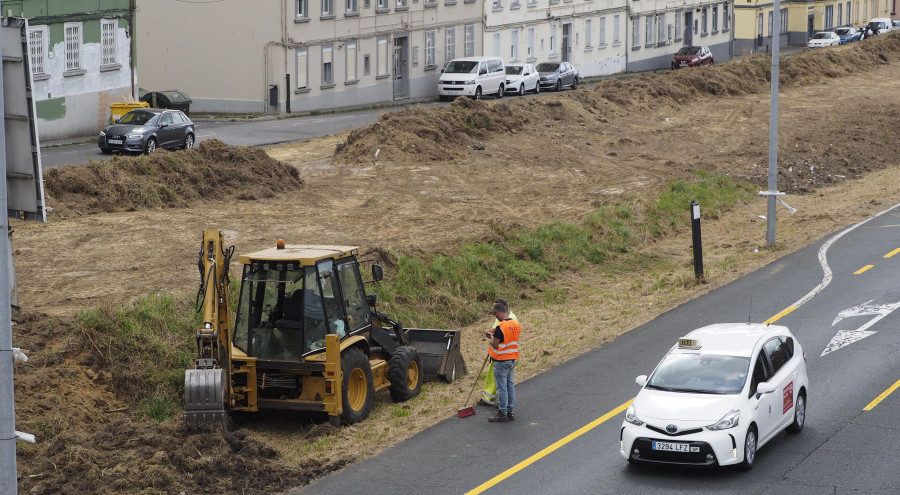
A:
692, 56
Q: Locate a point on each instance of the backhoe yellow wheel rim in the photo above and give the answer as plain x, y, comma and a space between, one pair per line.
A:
412, 375
357, 388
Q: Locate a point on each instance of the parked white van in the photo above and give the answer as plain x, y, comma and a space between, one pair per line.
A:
473, 77
882, 24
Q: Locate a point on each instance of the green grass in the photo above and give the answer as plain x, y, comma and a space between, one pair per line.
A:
148, 345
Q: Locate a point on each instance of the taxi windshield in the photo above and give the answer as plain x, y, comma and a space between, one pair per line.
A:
700, 373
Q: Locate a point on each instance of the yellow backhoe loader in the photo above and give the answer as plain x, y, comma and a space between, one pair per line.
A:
306, 337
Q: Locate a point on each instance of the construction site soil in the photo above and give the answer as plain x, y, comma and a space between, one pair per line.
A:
419, 180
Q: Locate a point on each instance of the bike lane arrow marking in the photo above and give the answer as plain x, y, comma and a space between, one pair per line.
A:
846, 337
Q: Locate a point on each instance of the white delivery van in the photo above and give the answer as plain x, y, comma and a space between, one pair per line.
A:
882, 24
473, 77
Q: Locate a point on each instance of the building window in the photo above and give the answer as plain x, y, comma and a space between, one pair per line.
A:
450, 41
661, 36
617, 39
553, 29
302, 69
108, 40
587, 34
497, 5
470, 40
679, 22
514, 45
648, 32
352, 7
515, 4
73, 45
430, 37
37, 48
784, 20
415, 56
350, 49
327, 8
726, 18
829, 16
849, 4
382, 60
771, 25
529, 37
367, 64
635, 33
401, 4
715, 18
840, 14
601, 36
704, 20
381, 5
302, 9
496, 50
327, 66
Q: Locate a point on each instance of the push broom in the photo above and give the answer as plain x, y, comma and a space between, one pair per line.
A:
467, 410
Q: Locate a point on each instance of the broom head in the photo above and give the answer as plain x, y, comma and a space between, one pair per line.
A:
466, 412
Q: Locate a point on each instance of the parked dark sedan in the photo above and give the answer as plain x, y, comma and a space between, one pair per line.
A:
556, 75
142, 130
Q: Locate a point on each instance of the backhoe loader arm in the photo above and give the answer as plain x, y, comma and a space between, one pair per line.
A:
207, 388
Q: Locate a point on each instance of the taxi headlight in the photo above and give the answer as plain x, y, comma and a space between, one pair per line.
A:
631, 416
730, 420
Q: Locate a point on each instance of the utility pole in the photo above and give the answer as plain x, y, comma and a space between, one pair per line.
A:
8, 475
772, 193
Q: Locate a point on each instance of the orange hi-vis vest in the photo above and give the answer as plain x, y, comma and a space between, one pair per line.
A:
509, 348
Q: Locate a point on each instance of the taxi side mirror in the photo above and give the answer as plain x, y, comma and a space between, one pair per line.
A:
641, 380
766, 388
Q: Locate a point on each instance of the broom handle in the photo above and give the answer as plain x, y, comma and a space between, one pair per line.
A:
476, 380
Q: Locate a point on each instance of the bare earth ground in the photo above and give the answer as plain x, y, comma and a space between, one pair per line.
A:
435, 181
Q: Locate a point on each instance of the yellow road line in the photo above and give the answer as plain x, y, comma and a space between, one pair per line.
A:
892, 253
861, 270
882, 396
548, 450
779, 315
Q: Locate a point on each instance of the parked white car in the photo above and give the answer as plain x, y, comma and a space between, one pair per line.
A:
521, 78
824, 38
473, 77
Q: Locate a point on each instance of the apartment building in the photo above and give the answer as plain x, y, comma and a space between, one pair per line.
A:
658, 28
303, 55
589, 34
80, 58
755, 27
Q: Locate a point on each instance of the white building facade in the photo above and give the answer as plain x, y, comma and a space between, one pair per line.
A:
658, 28
589, 34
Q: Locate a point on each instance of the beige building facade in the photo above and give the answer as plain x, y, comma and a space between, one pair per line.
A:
302, 55
757, 25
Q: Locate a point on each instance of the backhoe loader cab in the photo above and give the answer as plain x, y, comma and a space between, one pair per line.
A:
306, 337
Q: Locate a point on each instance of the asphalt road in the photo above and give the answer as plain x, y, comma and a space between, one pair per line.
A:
565, 437
240, 133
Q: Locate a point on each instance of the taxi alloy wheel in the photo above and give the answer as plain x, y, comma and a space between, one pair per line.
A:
799, 414
749, 449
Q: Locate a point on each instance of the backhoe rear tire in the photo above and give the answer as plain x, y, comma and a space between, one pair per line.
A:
405, 374
357, 386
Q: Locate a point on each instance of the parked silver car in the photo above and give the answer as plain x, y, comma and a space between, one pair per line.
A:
143, 130
557, 75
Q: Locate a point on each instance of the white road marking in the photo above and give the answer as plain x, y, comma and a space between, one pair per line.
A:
823, 258
844, 338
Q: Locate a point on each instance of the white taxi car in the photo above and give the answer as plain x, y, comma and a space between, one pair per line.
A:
718, 395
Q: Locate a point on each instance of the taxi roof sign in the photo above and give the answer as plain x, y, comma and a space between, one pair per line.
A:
685, 343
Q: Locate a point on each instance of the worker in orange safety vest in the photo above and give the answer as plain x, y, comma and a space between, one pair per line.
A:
489, 398
504, 353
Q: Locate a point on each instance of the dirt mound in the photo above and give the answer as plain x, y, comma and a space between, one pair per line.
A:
443, 134
213, 170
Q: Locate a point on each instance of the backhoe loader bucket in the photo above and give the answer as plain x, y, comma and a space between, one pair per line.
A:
204, 404
439, 350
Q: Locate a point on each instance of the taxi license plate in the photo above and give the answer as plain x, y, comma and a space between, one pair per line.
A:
115, 141
671, 447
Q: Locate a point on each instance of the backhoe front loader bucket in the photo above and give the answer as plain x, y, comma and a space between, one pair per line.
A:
204, 393
439, 350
